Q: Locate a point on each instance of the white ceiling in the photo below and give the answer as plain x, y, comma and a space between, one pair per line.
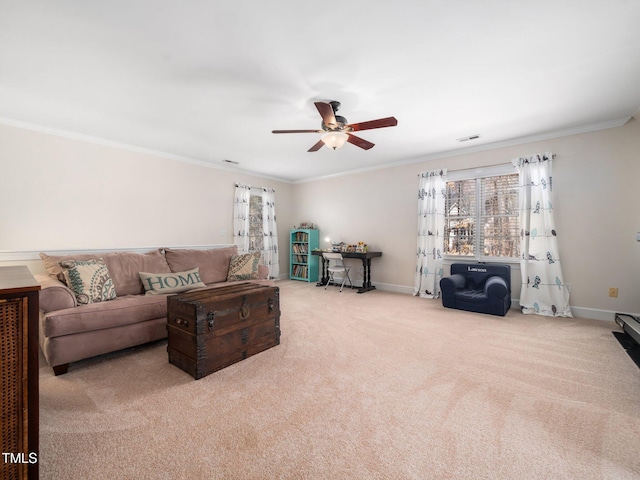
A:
208, 80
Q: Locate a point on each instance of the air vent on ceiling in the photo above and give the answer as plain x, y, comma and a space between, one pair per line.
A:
470, 137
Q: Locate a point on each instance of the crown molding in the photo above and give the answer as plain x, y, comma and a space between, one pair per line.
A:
618, 122
9, 122
592, 127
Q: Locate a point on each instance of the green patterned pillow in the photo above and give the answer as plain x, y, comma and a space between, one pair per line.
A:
89, 280
243, 267
157, 283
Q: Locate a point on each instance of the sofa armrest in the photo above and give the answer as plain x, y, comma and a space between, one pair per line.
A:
453, 282
495, 287
448, 287
263, 272
54, 295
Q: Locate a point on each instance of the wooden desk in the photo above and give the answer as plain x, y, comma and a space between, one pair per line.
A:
366, 265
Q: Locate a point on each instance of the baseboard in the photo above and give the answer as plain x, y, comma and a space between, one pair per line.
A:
595, 313
389, 287
582, 312
30, 255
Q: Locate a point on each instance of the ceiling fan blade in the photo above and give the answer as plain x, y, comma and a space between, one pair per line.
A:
359, 142
316, 147
296, 131
380, 123
326, 112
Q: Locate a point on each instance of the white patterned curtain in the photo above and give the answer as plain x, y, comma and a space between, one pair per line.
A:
241, 201
544, 291
270, 256
431, 198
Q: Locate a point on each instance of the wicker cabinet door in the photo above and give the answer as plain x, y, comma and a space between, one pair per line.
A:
19, 432
14, 395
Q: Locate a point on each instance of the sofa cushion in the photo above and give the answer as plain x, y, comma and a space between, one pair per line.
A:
52, 262
158, 283
97, 316
89, 280
213, 263
123, 267
243, 267
471, 295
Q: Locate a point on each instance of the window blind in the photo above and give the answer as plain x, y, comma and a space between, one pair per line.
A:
481, 217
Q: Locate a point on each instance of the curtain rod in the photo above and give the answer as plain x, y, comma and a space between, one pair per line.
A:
483, 166
255, 188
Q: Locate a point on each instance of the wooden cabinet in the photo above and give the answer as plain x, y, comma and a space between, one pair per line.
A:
19, 373
302, 264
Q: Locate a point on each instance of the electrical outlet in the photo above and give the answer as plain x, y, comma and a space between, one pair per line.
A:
613, 292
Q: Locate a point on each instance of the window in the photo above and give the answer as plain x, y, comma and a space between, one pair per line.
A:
481, 217
256, 239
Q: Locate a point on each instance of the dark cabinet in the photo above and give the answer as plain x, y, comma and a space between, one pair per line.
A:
19, 373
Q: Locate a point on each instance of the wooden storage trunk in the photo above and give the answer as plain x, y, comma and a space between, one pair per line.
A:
212, 329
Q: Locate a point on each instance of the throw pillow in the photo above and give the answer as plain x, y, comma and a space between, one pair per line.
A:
52, 263
243, 267
213, 263
159, 283
89, 280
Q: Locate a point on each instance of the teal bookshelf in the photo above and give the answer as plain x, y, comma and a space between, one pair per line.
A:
302, 265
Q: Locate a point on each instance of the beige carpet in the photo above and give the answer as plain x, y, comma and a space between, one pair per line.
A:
372, 386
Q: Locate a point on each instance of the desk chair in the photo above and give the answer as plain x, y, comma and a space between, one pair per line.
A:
336, 265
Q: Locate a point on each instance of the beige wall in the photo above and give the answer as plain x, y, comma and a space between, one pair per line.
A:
597, 207
62, 193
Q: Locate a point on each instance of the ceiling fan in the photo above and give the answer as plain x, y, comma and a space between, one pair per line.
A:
337, 131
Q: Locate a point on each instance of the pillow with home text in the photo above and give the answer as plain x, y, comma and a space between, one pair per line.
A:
159, 283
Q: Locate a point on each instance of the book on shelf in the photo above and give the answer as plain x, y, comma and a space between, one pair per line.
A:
301, 237
300, 248
300, 271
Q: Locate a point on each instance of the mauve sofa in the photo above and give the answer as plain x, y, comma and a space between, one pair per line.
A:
70, 332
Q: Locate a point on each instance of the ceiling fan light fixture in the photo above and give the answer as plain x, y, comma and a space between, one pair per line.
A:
334, 140
336, 131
